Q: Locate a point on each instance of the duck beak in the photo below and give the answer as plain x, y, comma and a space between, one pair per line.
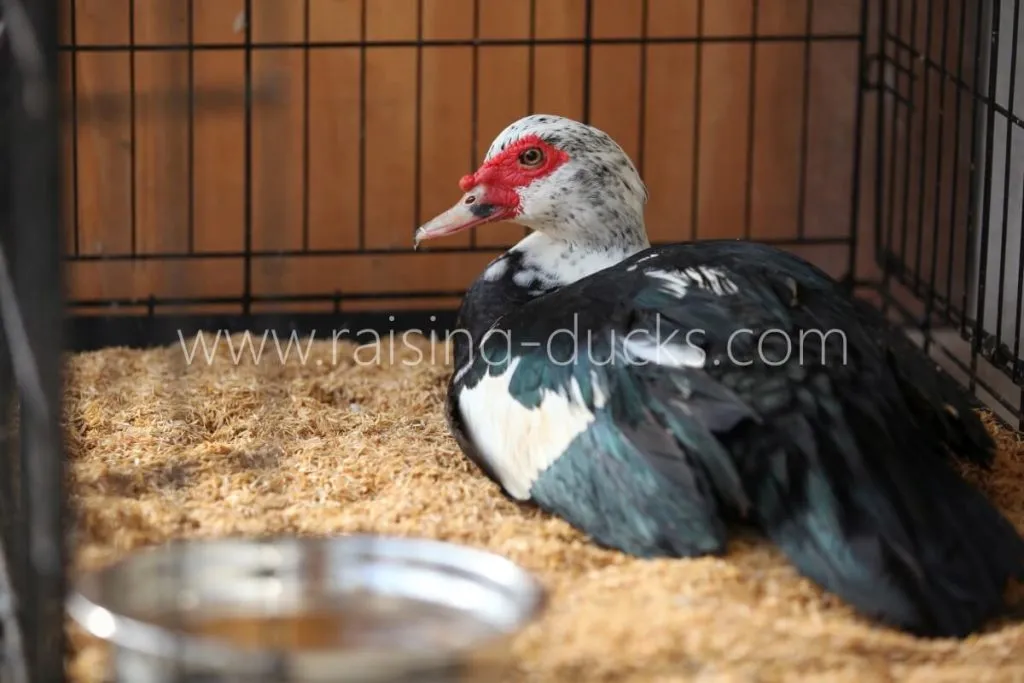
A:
469, 212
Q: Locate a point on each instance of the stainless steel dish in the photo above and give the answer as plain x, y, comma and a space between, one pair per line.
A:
308, 610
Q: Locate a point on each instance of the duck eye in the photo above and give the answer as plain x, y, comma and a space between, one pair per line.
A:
531, 157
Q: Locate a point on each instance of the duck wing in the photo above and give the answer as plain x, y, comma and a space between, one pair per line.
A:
938, 402
653, 402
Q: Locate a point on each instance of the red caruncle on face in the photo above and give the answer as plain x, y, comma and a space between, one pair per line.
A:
518, 165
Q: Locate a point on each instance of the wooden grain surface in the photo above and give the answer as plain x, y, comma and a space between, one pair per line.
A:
682, 110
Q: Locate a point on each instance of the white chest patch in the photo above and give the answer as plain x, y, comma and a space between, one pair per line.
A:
518, 442
547, 263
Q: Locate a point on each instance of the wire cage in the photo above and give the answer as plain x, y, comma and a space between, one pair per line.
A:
946, 199
178, 166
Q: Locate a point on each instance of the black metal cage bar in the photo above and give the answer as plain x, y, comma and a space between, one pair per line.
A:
949, 178
31, 310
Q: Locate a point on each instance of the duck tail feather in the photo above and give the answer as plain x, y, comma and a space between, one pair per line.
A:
903, 539
937, 401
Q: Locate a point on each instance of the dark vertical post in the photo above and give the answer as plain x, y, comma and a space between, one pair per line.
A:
880, 128
10, 515
588, 44
698, 88
474, 103
247, 167
8, 472
978, 333
33, 322
858, 142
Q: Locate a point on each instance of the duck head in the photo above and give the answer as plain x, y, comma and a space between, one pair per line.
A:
557, 176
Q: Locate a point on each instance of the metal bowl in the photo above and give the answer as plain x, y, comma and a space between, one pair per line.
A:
351, 608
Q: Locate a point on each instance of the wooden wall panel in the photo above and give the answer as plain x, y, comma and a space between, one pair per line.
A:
216, 21
669, 121
776, 161
218, 152
334, 169
332, 20
681, 110
446, 145
160, 193
104, 169
723, 135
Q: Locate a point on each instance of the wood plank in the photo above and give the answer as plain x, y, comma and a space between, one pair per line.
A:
672, 18
104, 141
669, 149
218, 182
102, 22
617, 19
335, 20
89, 280
778, 91
390, 147
507, 20
728, 18
69, 183
615, 74
558, 88
418, 304
775, 190
782, 17
65, 10
840, 16
449, 19
277, 190
446, 128
222, 277
278, 21
277, 153
334, 126
562, 20
161, 134
669, 141
558, 85
161, 219
68, 152
388, 20
216, 21
368, 273
723, 189
833, 105
334, 149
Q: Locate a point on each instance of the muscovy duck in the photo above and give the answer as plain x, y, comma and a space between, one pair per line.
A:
653, 397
